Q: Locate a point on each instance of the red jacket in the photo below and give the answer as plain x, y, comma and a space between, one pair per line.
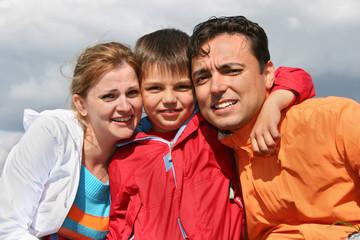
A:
295, 79
189, 195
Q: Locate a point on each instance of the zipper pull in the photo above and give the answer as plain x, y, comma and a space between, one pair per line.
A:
231, 191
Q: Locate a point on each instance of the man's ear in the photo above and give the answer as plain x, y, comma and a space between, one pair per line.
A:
80, 105
269, 74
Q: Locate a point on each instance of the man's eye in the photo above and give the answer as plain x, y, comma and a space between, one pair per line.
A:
233, 71
201, 79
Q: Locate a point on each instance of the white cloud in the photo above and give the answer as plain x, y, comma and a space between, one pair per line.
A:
46, 88
334, 12
293, 23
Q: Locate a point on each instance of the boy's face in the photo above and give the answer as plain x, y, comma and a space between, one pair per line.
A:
168, 99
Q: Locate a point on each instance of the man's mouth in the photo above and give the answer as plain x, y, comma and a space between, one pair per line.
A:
224, 104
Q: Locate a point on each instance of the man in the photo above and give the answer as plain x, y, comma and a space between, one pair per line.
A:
311, 180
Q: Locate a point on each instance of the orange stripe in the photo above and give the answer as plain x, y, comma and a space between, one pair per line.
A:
90, 221
72, 235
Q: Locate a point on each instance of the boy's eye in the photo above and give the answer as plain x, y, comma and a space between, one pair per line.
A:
153, 88
184, 87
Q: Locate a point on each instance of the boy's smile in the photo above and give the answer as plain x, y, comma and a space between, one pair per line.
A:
168, 99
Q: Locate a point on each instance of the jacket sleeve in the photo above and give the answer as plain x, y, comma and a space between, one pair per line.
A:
296, 80
125, 203
23, 178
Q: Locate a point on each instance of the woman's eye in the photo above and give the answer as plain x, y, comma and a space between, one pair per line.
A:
107, 96
133, 93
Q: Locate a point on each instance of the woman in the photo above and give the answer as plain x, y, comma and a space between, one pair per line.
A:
55, 179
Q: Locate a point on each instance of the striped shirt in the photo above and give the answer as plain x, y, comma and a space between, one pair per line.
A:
88, 218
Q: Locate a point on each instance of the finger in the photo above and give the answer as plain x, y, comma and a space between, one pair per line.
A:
269, 140
263, 148
254, 145
274, 131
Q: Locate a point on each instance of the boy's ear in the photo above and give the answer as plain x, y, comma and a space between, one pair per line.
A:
269, 74
80, 105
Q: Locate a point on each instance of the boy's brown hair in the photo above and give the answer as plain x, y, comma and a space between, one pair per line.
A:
165, 49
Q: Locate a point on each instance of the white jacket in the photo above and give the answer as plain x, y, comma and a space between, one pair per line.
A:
41, 175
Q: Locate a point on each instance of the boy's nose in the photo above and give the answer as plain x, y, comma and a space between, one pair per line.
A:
169, 97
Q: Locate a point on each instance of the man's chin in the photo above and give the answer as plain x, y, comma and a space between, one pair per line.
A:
224, 125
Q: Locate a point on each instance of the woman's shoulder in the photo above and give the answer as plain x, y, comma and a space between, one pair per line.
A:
54, 120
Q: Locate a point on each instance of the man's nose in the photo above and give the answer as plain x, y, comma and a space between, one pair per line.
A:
218, 84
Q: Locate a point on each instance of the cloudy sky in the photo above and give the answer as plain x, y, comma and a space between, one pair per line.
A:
37, 36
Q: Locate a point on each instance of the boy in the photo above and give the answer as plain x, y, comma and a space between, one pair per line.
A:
173, 179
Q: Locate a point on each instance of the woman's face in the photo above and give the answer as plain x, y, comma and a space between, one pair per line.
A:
113, 105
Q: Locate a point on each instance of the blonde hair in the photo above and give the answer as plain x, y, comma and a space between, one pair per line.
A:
95, 61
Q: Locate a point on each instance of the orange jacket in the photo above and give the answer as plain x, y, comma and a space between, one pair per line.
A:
312, 180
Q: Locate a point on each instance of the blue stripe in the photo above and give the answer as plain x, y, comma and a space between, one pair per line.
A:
182, 229
183, 126
142, 139
88, 232
168, 162
93, 196
167, 158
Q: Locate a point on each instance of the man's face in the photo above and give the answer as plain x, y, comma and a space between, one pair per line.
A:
228, 84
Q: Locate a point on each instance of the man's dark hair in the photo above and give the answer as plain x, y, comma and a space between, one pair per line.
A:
214, 27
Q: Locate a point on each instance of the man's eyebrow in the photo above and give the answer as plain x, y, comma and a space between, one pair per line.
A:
229, 65
223, 66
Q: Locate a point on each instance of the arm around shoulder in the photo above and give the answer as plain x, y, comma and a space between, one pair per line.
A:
296, 80
291, 86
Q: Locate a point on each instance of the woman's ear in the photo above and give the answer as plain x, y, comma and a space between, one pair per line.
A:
80, 105
269, 74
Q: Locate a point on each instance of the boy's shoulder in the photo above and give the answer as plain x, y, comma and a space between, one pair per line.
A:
139, 147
